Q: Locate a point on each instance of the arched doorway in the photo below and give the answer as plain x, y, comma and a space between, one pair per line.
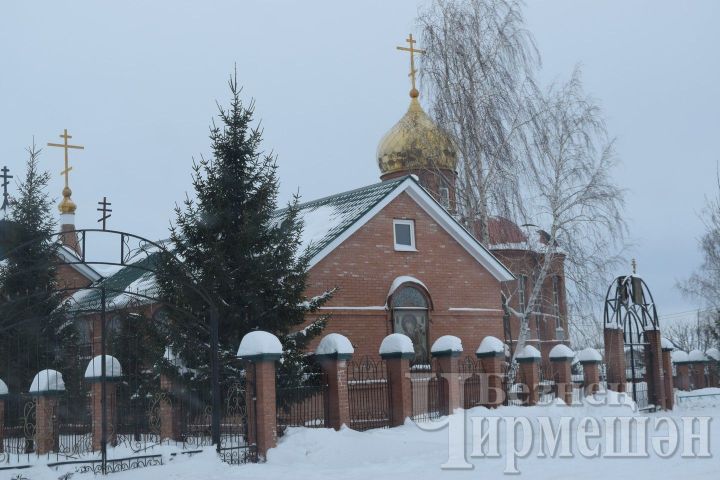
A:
410, 305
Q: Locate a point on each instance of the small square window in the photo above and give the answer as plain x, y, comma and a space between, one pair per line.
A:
444, 193
404, 231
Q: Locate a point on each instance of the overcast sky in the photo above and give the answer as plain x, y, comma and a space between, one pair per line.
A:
136, 84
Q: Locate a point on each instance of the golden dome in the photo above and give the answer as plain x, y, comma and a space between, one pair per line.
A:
415, 143
67, 205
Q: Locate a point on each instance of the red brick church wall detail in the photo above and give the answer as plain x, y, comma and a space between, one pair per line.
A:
365, 265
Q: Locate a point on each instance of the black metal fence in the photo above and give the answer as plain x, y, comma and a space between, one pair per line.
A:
302, 403
475, 385
428, 391
368, 394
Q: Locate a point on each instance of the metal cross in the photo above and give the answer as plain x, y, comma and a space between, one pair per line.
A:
634, 266
412, 51
65, 145
6, 181
105, 211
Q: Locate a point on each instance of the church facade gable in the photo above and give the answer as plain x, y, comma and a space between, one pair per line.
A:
437, 288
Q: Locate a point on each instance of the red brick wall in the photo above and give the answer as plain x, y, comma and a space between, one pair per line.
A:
365, 265
68, 277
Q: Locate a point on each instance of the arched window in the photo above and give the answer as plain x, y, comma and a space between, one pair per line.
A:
410, 308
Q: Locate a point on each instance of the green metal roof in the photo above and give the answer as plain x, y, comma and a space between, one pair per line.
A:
324, 220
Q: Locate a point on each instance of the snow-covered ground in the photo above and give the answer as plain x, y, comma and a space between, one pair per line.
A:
413, 452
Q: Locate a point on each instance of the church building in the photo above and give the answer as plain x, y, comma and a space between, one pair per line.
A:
399, 257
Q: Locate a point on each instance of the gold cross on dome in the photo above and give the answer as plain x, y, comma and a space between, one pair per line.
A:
66, 146
411, 41
634, 266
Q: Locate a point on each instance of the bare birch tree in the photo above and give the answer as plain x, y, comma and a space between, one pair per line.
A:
478, 69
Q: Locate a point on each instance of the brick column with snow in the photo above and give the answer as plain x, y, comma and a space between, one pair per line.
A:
4, 392
654, 375
447, 350
561, 357
667, 348
682, 369
615, 359
529, 365
697, 361
260, 350
46, 387
93, 375
333, 352
170, 408
491, 353
590, 359
397, 350
713, 355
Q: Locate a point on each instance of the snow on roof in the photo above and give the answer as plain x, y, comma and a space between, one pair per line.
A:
3, 388
666, 344
491, 344
678, 356
334, 343
713, 353
697, 356
112, 367
47, 381
404, 279
259, 343
396, 343
561, 351
588, 355
447, 343
529, 351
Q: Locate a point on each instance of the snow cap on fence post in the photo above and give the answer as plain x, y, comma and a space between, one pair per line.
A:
259, 345
3, 389
679, 356
397, 345
666, 345
561, 353
528, 354
334, 346
696, 356
490, 347
713, 353
46, 382
446, 346
589, 355
113, 370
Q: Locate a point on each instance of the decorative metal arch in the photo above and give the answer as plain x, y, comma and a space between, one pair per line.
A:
630, 306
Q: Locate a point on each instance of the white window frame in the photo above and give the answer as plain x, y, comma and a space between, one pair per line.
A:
400, 247
444, 195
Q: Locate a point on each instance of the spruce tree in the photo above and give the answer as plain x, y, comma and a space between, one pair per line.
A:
237, 252
34, 333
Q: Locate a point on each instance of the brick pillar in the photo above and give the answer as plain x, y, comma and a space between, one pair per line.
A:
447, 350
261, 350
615, 359
493, 364
667, 375
698, 372
654, 372
333, 352
2, 422
561, 357
683, 375
110, 413
397, 350
47, 432
591, 376
714, 377
529, 366
170, 409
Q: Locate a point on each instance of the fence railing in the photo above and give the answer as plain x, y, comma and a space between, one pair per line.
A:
368, 394
429, 392
302, 403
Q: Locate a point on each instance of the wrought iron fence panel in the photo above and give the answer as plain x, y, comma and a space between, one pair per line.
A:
302, 403
429, 390
475, 386
547, 386
368, 394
